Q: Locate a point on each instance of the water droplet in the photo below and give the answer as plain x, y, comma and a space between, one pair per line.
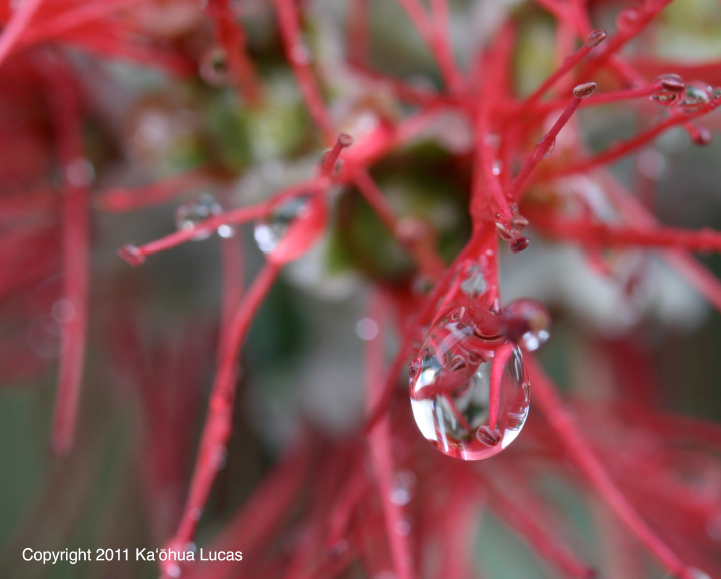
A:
519, 243
300, 54
366, 329
131, 255
213, 67
670, 87
226, 231
475, 283
696, 95
80, 173
595, 38
404, 484
497, 167
191, 213
584, 90
698, 574
43, 337
270, 231
627, 19
451, 407
196, 513
173, 570
526, 322
63, 311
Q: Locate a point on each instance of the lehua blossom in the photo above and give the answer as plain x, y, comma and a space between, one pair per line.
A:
347, 288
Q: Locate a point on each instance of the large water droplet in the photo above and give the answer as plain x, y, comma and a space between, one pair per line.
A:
595, 38
195, 211
526, 322
695, 97
270, 231
670, 88
450, 391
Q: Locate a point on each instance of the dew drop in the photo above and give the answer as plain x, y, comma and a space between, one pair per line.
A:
475, 283
697, 94
191, 213
226, 231
526, 322
213, 67
627, 19
404, 484
131, 255
451, 407
584, 90
595, 38
670, 88
497, 167
366, 329
300, 54
270, 231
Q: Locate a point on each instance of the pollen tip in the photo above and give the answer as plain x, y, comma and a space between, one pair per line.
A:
584, 90
345, 140
131, 255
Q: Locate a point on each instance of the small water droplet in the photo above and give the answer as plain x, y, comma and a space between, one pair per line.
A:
63, 311
497, 167
191, 213
628, 19
366, 329
475, 283
80, 172
213, 67
584, 90
226, 231
526, 322
131, 255
173, 570
270, 231
404, 484
451, 407
595, 38
519, 243
696, 95
670, 88
301, 54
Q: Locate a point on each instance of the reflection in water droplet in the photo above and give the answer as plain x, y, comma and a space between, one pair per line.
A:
526, 322
269, 232
670, 88
450, 401
595, 38
195, 211
697, 94
519, 243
